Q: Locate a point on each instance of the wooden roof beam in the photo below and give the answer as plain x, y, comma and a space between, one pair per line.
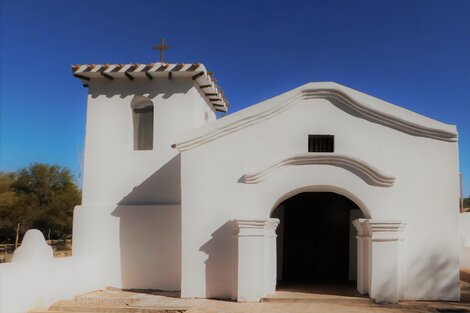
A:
107, 76
81, 77
197, 75
129, 75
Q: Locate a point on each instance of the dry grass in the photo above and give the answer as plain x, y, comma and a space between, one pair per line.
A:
60, 248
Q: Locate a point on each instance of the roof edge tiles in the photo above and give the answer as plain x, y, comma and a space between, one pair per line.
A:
204, 79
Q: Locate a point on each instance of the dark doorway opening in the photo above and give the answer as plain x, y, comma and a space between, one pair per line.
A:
316, 240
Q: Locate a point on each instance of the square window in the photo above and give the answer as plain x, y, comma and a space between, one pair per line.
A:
321, 143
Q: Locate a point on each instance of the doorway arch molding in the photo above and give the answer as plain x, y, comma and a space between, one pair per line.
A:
367, 172
323, 188
263, 197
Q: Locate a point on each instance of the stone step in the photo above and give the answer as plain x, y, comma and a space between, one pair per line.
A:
77, 307
42, 311
358, 301
112, 310
104, 297
117, 296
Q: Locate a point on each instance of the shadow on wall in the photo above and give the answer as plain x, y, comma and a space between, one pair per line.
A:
434, 276
150, 231
219, 262
150, 242
162, 187
124, 88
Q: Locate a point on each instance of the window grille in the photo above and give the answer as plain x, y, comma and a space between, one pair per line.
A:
321, 143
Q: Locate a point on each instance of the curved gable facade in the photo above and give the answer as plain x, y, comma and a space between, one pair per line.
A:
399, 168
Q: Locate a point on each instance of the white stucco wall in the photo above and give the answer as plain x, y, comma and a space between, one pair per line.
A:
424, 194
134, 246
130, 217
35, 280
465, 241
113, 171
164, 220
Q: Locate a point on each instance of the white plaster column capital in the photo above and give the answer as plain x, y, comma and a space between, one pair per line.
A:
249, 228
362, 227
271, 226
387, 230
273, 223
255, 228
380, 229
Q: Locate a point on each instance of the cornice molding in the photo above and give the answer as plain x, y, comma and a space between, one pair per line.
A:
364, 170
380, 117
336, 94
238, 124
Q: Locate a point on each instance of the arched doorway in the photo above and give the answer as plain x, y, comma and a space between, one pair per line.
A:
316, 241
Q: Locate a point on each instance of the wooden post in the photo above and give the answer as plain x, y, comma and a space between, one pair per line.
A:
17, 235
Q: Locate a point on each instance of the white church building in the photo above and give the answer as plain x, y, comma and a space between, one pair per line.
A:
320, 183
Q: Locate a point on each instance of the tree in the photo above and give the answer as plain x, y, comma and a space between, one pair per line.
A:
40, 196
8, 201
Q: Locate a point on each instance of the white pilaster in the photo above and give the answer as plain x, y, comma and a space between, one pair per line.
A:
255, 266
363, 255
380, 259
270, 256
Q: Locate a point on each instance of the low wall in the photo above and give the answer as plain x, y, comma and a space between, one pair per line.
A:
465, 242
34, 279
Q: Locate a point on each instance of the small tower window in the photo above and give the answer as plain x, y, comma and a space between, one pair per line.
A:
321, 143
143, 126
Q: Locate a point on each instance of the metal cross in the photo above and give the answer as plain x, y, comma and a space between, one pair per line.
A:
161, 47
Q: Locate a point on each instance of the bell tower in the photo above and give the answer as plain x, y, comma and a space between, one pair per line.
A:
131, 198
134, 113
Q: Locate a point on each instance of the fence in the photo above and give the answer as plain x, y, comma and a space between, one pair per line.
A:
61, 248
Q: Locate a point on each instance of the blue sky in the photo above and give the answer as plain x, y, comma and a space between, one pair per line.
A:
415, 54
